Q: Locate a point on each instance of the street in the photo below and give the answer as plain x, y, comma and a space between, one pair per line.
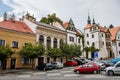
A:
58, 74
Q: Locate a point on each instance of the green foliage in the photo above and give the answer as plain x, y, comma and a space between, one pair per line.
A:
71, 51
50, 19
31, 51
55, 52
5, 52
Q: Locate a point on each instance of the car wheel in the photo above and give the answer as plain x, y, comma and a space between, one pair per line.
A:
95, 72
78, 72
110, 73
44, 69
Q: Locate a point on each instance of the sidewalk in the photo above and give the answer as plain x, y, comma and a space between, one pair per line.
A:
15, 71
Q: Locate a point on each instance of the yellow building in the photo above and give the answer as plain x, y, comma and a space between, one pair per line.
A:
16, 34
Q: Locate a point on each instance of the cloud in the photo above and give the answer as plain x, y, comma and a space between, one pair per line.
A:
105, 12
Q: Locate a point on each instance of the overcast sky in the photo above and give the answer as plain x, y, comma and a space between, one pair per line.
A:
105, 12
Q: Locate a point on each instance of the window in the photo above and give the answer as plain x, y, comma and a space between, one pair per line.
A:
87, 42
26, 43
2, 42
119, 44
14, 44
102, 35
92, 36
55, 43
103, 43
93, 44
71, 39
87, 35
41, 39
26, 61
79, 40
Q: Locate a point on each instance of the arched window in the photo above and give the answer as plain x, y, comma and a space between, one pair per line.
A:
61, 43
41, 39
55, 43
48, 42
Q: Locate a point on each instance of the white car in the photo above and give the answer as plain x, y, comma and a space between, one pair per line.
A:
57, 65
113, 69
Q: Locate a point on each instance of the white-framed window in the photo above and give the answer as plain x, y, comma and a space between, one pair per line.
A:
14, 44
2, 42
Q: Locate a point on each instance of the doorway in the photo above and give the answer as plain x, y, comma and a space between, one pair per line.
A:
13, 62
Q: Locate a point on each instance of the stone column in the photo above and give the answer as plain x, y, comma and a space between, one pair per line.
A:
58, 43
45, 42
37, 37
52, 42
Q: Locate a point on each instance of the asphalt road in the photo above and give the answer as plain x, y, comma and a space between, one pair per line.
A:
59, 74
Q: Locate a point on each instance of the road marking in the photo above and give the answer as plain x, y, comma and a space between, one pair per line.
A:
71, 75
54, 74
94, 76
66, 71
52, 71
24, 76
39, 73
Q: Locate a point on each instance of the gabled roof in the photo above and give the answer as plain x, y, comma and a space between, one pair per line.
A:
15, 26
113, 32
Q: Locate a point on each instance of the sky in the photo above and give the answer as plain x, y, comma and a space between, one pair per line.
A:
105, 12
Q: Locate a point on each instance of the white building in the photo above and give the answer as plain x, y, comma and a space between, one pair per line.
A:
74, 36
99, 37
115, 32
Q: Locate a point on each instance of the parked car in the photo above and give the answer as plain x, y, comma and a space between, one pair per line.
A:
57, 65
45, 66
102, 65
113, 69
115, 60
82, 61
87, 68
70, 63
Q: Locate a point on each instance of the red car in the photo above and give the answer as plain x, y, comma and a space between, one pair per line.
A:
71, 63
87, 68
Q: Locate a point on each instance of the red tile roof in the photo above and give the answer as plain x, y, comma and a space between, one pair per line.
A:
88, 26
113, 32
16, 26
103, 29
65, 25
78, 32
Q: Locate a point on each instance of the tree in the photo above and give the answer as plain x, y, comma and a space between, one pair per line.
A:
30, 51
86, 49
55, 53
71, 51
5, 52
50, 19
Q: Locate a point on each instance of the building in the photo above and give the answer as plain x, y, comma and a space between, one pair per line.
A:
16, 34
73, 35
50, 35
115, 33
99, 37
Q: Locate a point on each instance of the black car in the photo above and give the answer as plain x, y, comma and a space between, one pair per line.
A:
45, 66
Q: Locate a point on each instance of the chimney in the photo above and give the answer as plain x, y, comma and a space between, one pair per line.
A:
5, 16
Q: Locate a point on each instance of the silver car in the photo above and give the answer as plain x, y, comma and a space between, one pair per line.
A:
113, 69
57, 65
